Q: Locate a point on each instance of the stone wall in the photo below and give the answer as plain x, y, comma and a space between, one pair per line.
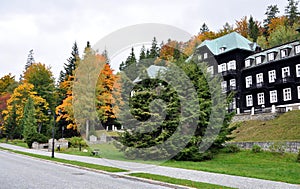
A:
292, 147
260, 116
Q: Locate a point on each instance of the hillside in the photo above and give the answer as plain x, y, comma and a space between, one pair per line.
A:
286, 127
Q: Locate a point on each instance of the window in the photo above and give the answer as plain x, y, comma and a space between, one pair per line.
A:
224, 86
222, 49
258, 59
199, 57
272, 76
284, 53
259, 78
247, 63
232, 105
205, 55
222, 67
249, 100
232, 84
260, 98
297, 49
285, 72
248, 81
273, 96
271, 56
298, 70
210, 70
287, 94
298, 90
231, 65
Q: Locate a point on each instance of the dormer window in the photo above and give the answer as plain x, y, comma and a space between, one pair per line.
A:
283, 53
297, 49
222, 49
248, 62
259, 59
205, 55
271, 56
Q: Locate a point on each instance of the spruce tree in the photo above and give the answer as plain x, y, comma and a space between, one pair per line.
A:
204, 28
292, 12
129, 67
29, 122
271, 13
142, 53
253, 29
154, 50
30, 59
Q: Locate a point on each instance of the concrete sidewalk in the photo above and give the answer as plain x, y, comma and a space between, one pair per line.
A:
199, 176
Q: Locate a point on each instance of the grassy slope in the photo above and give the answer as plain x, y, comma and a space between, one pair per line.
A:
284, 128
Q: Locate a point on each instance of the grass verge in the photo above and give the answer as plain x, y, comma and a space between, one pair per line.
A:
71, 162
176, 181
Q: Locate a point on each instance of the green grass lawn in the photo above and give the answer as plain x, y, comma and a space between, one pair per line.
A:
283, 128
264, 165
176, 181
16, 142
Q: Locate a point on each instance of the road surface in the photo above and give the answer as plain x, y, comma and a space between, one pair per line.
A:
22, 172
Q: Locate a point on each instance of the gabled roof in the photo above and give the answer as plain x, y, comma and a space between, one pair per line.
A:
152, 72
230, 41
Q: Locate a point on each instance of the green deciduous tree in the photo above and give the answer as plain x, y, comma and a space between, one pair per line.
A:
43, 81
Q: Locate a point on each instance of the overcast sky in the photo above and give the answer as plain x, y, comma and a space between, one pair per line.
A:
51, 27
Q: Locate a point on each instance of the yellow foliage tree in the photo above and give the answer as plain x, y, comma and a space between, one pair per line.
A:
17, 101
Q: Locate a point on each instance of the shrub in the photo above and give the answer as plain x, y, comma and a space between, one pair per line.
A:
298, 157
232, 148
76, 141
36, 137
256, 148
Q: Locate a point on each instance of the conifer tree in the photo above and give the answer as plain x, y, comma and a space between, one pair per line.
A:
253, 29
204, 28
29, 122
292, 12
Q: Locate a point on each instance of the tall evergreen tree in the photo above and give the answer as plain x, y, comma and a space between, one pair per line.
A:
142, 53
271, 13
253, 29
29, 122
292, 12
154, 50
204, 28
129, 67
70, 66
30, 59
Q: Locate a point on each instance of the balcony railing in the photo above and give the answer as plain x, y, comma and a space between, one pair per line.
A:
229, 72
285, 80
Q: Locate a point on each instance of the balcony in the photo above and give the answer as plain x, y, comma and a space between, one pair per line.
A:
285, 80
228, 72
258, 85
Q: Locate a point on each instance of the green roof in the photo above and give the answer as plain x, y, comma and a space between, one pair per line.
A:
230, 41
152, 72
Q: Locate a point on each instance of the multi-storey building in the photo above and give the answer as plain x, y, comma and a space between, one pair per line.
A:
271, 79
267, 80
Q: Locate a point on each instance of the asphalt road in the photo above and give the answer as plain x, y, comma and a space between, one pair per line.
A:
22, 172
